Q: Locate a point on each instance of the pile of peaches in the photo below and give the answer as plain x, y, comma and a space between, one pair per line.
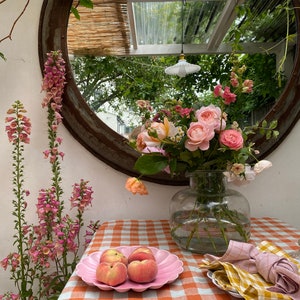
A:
114, 267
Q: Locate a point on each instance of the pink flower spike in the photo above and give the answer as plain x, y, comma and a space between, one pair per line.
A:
228, 96
234, 79
247, 86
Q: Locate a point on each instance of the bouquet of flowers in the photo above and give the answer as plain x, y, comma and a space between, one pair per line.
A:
207, 143
178, 139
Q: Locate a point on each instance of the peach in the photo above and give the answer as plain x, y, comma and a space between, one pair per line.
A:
111, 274
113, 255
142, 271
141, 253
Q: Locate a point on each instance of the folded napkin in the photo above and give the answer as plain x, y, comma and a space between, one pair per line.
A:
263, 272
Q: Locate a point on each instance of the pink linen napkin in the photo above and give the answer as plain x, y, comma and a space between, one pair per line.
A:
273, 268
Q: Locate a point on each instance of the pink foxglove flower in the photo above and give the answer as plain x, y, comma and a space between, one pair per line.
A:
247, 86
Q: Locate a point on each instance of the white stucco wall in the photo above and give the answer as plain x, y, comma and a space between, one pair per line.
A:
274, 193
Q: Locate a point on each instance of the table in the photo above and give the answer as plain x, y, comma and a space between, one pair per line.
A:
193, 282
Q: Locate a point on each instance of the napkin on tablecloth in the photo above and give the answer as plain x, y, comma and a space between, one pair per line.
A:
262, 272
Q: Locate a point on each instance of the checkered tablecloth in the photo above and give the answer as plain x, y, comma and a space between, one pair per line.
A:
193, 282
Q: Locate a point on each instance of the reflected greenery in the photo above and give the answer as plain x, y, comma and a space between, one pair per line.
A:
112, 148
120, 81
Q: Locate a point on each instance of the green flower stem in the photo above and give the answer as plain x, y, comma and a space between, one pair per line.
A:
18, 190
234, 218
18, 181
56, 178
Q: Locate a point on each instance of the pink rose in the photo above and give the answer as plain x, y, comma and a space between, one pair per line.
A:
199, 134
211, 115
232, 139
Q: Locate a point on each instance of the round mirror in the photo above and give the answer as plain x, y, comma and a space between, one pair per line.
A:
111, 147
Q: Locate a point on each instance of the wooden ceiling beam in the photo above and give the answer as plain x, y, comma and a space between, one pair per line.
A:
171, 49
225, 21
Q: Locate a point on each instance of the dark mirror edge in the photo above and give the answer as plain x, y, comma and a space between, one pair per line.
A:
109, 146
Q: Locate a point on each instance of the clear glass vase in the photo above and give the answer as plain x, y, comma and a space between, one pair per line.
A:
205, 216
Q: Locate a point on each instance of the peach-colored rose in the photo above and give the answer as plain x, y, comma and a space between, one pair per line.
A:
161, 131
143, 139
135, 186
144, 142
211, 115
199, 134
232, 139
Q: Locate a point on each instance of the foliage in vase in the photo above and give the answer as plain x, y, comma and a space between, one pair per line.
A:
47, 252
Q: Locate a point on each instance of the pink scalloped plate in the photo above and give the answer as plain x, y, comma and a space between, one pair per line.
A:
169, 268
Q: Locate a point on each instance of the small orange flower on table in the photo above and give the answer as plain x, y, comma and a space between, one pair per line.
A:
136, 186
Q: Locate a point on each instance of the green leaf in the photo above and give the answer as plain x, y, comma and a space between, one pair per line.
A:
86, 3
75, 12
273, 124
151, 164
2, 56
268, 135
173, 165
264, 124
275, 134
262, 131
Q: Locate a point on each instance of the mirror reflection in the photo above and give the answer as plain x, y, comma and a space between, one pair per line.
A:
112, 148
119, 53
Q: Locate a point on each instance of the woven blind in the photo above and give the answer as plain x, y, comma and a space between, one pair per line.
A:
100, 31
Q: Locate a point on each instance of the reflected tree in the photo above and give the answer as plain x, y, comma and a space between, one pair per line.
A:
117, 82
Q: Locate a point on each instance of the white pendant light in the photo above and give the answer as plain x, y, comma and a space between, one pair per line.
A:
182, 68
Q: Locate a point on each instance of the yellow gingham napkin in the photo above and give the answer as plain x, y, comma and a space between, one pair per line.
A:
250, 286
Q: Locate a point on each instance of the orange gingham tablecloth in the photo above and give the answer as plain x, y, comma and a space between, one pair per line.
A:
193, 282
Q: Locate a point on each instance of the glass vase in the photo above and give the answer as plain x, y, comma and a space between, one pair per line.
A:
205, 216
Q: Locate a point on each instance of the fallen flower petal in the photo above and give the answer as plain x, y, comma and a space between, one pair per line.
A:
262, 165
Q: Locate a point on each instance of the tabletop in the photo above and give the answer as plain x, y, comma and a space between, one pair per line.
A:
192, 283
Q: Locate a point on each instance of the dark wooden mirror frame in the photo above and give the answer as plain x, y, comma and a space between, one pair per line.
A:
109, 146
